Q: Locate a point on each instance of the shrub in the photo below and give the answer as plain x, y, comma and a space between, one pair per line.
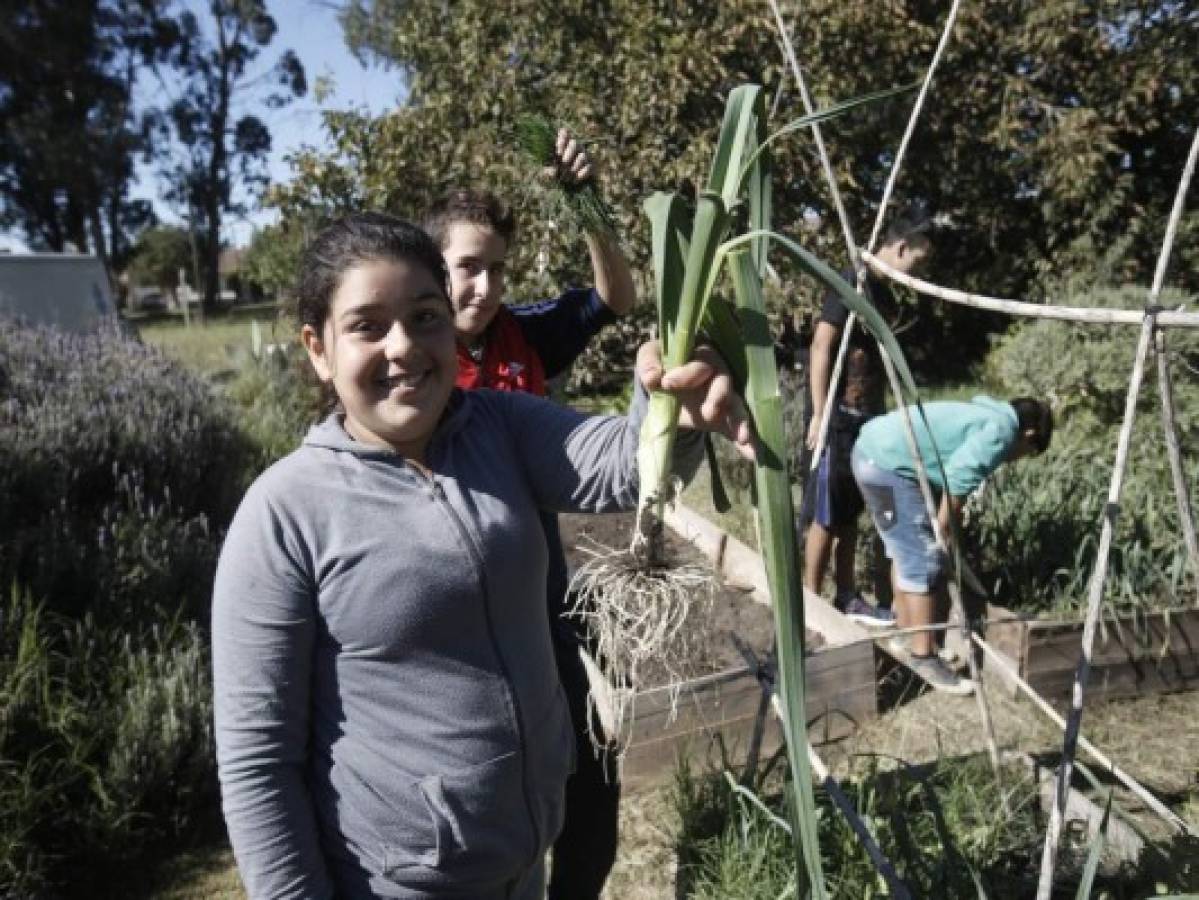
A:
277, 398
118, 474
1038, 523
106, 742
115, 464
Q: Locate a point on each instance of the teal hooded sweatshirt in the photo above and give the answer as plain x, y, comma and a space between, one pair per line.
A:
973, 438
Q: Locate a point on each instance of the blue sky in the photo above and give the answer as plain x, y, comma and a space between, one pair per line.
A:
311, 29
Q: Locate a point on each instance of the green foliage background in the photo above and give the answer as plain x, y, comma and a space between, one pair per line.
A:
1053, 130
1037, 526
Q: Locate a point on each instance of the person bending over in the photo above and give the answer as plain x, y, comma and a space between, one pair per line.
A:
974, 439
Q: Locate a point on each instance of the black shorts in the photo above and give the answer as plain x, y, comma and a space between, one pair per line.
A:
831, 497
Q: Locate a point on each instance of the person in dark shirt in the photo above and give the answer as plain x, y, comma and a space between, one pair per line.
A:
521, 348
832, 501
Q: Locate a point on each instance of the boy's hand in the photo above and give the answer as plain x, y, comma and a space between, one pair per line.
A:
814, 430
705, 390
574, 166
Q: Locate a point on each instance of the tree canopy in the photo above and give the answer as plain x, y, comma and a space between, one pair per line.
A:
71, 132
1054, 132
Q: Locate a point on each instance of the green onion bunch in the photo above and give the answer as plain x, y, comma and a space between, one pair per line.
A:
578, 202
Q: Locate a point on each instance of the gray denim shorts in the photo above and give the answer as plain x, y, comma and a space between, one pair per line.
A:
901, 519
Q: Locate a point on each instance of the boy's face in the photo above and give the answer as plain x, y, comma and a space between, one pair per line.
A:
476, 257
908, 255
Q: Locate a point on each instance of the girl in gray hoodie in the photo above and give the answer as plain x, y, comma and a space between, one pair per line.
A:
389, 722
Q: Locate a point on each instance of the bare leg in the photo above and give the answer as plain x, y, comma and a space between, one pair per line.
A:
920, 612
899, 604
818, 548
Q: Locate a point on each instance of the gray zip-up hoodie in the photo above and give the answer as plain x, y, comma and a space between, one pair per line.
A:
388, 717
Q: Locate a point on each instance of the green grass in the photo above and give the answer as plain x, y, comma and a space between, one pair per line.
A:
939, 824
214, 347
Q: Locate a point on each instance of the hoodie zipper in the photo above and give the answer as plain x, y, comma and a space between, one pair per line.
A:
437, 493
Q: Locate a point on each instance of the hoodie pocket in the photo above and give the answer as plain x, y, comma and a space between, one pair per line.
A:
390, 813
478, 823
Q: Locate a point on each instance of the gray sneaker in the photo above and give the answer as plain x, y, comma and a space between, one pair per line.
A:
939, 676
864, 613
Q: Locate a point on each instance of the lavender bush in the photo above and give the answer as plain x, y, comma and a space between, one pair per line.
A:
118, 474
117, 471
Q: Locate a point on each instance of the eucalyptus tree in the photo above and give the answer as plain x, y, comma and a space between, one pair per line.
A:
222, 149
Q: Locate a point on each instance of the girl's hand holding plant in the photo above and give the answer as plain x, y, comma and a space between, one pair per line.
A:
704, 389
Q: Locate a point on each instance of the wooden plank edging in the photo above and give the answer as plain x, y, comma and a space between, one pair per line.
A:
738, 564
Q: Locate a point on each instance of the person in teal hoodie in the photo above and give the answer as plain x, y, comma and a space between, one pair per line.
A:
974, 439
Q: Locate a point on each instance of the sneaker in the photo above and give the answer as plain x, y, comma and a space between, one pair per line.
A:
899, 646
867, 614
952, 660
939, 676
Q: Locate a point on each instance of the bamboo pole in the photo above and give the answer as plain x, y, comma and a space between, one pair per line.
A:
851, 244
843, 218
1094, 752
1164, 385
1095, 598
884, 866
917, 108
1088, 315
1094, 602
1163, 258
1182, 495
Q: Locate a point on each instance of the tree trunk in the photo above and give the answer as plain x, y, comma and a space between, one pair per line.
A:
100, 248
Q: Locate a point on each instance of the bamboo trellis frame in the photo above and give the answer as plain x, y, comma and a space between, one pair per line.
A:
1099, 576
1141, 792
1151, 319
1026, 308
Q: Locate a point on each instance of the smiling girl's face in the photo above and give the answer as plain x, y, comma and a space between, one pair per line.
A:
387, 348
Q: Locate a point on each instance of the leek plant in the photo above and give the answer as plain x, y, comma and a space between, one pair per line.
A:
690, 254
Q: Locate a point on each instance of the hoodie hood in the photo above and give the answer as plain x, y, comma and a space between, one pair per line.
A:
998, 406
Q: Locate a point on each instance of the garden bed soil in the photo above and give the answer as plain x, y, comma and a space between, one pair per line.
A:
716, 706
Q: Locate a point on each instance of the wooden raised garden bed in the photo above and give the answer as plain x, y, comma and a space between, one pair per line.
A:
721, 708
1143, 654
